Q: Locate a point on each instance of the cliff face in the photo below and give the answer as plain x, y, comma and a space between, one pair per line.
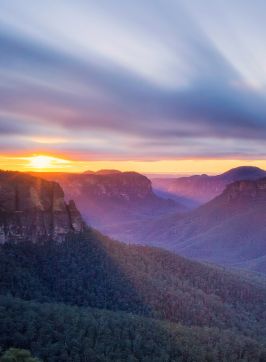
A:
115, 187
229, 230
110, 199
203, 188
35, 209
247, 190
124, 187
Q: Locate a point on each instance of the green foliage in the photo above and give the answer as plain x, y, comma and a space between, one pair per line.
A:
142, 296
18, 355
93, 271
60, 333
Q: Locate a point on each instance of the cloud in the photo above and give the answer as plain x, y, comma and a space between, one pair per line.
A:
131, 80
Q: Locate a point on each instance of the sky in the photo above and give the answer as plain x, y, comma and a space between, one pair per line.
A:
155, 85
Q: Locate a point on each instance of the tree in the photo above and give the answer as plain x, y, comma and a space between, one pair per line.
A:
18, 355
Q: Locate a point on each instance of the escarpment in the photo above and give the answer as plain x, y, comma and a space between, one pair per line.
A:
35, 209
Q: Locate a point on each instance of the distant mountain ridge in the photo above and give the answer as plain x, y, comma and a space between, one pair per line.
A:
229, 230
32, 208
235, 227
110, 197
102, 172
199, 189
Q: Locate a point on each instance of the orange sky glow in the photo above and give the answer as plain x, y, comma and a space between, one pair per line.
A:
48, 163
152, 91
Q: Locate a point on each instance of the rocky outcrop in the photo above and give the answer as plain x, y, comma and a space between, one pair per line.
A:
110, 199
126, 186
247, 189
105, 186
35, 209
228, 230
199, 189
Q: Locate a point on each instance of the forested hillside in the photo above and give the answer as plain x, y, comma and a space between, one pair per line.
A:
56, 333
91, 270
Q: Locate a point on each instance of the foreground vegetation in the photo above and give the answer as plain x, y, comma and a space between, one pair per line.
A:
17, 355
93, 299
61, 333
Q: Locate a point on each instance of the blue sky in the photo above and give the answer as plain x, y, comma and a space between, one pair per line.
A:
133, 80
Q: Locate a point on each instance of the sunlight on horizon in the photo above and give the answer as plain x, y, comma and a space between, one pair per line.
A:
41, 162
49, 163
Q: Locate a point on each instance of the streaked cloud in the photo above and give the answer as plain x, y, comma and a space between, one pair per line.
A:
159, 79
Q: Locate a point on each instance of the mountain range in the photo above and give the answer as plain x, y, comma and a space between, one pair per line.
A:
68, 293
228, 230
199, 189
110, 198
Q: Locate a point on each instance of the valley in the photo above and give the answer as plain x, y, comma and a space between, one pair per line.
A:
54, 265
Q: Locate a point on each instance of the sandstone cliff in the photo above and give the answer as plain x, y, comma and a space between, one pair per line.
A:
35, 209
109, 199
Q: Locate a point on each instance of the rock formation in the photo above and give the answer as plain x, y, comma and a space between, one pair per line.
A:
35, 209
199, 189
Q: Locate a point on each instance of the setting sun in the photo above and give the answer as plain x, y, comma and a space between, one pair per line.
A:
41, 162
